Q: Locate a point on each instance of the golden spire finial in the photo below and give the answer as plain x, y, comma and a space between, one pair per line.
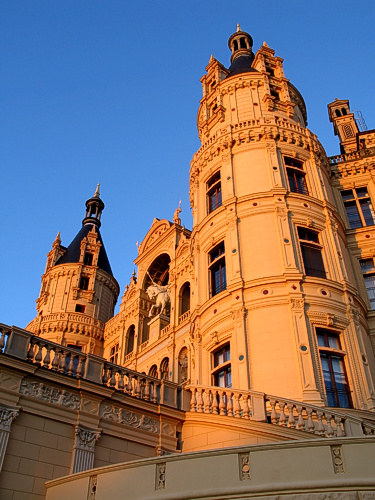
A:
238, 27
97, 191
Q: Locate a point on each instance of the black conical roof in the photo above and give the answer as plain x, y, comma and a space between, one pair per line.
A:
242, 64
73, 251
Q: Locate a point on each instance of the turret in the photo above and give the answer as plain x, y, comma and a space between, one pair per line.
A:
78, 291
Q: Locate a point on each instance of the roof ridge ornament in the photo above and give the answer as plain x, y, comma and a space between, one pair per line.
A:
97, 191
238, 27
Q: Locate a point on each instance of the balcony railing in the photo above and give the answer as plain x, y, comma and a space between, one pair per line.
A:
21, 344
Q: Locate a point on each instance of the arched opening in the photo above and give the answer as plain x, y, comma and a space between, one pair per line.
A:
235, 45
184, 297
164, 369
243, 42
153, 372
343, 111
159, 271
183, 366
338, 113
130, 339
145, 329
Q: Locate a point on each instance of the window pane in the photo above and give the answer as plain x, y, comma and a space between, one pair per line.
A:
347, 195
367, 265
321, 340
353, 215
367, 212
362, 192
313, 261
333, 342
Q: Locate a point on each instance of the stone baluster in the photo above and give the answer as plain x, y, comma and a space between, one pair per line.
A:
30, 352
62, 364
291, 419
329, 432
222, 403
237, 407
320, 430
229, 405
47, 357
300, 422
274, 415
154, 392
129, 386
215, 403
84, 449
2, 339
340, 429
137, 393
199, 401
245, 407
105, 375
120, 384
193, 401
70, 369
112, 380
38, 357
207, 401
7, 415
282, 419
310, 423
80, 367
55, 361
146, 395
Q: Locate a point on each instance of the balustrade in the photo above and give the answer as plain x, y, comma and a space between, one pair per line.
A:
184, 317
165, 330
132, 383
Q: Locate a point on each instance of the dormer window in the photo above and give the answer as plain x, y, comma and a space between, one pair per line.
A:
84, 283
87, 259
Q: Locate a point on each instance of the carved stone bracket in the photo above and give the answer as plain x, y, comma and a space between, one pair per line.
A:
160, 476
244, 466
337, 459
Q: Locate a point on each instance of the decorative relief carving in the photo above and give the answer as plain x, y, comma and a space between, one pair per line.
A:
50, 394
160, 476
7, 415
238, 314
168, 430
337, 459
92, 487
298, 304
85, 439
116, 414
244, 463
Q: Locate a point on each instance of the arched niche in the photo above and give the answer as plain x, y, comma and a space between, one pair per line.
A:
158, 270
130, 334
164, 369
183, 365
153, 371
184, 298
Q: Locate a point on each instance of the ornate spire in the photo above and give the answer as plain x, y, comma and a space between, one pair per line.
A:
238, 27
94, 208
241, 44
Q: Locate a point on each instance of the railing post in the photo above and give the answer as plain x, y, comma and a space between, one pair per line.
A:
258, 407
18, 343
94, 367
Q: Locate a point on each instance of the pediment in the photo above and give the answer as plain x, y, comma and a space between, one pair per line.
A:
158, 228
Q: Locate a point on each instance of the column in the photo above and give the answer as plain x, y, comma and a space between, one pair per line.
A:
7, 415
84, 449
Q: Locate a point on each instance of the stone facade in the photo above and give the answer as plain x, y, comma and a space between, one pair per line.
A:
255, 327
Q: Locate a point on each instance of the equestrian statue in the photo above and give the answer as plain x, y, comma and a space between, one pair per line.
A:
161, 293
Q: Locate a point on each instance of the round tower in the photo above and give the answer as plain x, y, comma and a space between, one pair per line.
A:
78, 292
275, 306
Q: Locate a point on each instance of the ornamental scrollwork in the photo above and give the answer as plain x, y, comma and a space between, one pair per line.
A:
121, 416
86, 438
7, 415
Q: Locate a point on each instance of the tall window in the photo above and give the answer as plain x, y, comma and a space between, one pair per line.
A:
311, 253
333, 367
164, 369
222, 373
84, 283
358, 207
218, 278
153, 371
113, 354
185, 298
368, 271
130, 340
296, 175
213, 187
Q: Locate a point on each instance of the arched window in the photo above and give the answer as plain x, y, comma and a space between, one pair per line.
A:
183, 365
153, 372
130, 339
164, 369
145, 330
184, 298
343, 111
338, 112
222, 372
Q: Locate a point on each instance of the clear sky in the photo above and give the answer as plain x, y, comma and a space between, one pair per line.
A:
107, 91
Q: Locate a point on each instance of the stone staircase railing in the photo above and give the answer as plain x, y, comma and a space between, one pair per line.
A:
257, 406
21, 344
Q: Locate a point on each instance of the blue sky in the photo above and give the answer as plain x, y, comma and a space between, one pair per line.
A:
107, 91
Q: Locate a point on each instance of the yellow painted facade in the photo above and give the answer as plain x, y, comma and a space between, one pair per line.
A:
245, 344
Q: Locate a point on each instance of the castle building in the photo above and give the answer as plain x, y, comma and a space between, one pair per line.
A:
248, 341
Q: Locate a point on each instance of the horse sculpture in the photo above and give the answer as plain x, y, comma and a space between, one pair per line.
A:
161, 294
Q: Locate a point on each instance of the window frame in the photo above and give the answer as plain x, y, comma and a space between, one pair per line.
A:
366, 274
330, 353
221, 369
114, 353
217, 264
310, 250
84, 282
355, 202
295, 168
214, 191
